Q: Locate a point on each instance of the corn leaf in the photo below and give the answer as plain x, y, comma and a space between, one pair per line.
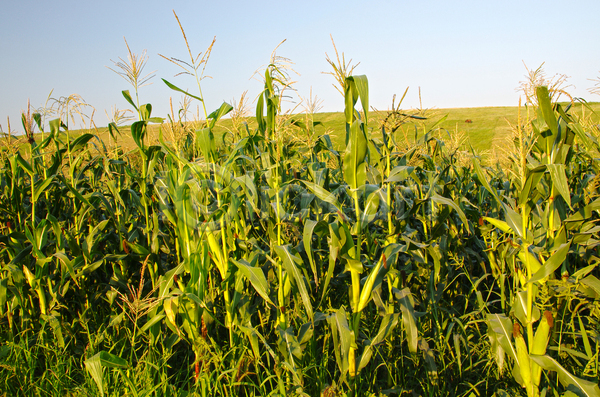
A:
80, 142
483, 180
534, 263
256, 277
408, 318
127, 97
503, 328
400, 173
520, 308
388, 324
24, 164
443, 200
355, 167
531, 182
592, 282
291, 263
154, 320
567, 379
323, 194
343, 338
429, 360
175, 88
362, 89
94, 367
557, 258
499, 224
220, 112
367, 289
309, 230
559, 181
544, 103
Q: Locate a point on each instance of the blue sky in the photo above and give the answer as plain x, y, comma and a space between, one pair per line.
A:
460, 53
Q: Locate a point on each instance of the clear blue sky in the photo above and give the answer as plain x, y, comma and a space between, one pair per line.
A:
461, 53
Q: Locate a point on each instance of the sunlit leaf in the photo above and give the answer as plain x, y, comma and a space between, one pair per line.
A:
566, 378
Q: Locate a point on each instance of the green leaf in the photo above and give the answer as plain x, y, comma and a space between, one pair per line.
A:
250, 193
373, 200
405, 300
66, 262
503, 328
175, 88
400, 173
3, 289
25, 164
309, 229
515, 221
483, 180
531, 182
94, 367
39, 189
543, 96
128, 99
153, 321
585, 338
429, 356
497, 350
559, 181
343, 338
323, 194
145, 111
354, 166
109, 360
566, 378
112, 128
80, 142
362, 88
592, 282
290, 264
288, 344
388, 324
138, 132
526, 255
443, 200
54, 127
260, 117
520, 307
408, 318
220, 112
102, 359
206, 143
555, 260
256, 277
74, 191
503, 226
583, 136
367, 289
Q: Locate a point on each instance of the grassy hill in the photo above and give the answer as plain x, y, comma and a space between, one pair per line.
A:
486, 129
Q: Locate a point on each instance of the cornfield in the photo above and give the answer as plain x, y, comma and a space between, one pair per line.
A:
256, 263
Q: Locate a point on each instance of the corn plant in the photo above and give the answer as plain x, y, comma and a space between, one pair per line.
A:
543, 238
260, 263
